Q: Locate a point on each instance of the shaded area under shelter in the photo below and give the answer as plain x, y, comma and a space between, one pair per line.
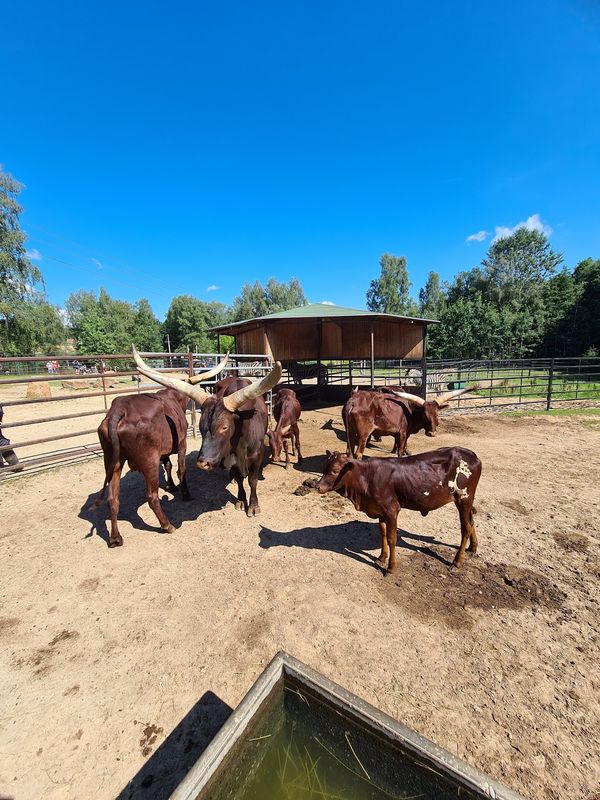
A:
332, 348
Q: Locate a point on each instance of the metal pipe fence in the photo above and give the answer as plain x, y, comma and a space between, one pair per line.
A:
499, 385
73, 385
539, 382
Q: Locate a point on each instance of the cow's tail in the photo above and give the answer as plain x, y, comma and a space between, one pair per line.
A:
113, 434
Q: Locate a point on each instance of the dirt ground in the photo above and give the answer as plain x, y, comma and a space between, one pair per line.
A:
118, 666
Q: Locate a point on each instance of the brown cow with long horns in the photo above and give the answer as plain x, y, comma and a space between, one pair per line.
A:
233, 426
398, 414
145, 430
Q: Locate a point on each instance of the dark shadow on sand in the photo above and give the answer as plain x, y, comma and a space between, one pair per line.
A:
351, 539
167, 767
209, 492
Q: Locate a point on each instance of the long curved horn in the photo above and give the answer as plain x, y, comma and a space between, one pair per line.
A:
406, 396
196, 393
444, 398
204, 376
233, 401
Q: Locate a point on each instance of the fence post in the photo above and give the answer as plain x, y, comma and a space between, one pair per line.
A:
101, 370
550, 376
191, 374
491, 380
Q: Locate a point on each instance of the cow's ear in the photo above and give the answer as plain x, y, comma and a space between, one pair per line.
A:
327, 453
444, 405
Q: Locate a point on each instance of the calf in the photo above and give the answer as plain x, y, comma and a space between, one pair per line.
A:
286, 410
381, 487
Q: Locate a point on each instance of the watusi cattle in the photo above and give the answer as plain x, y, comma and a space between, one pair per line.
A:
233, 426
381, 487
397, 414
286, 410
145, 430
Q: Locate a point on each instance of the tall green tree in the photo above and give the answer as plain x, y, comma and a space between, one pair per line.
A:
432, 299
105, 325
586, 312
146, 330
257, 300
188, 321
390, 293
34, 327
18, 276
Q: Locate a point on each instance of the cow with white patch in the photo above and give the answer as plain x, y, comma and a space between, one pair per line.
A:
381, 487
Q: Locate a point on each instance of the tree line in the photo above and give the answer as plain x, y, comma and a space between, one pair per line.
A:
520, 301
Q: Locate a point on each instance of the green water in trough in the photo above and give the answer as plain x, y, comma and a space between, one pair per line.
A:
302, 749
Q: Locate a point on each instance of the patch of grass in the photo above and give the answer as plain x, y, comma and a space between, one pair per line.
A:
554, 412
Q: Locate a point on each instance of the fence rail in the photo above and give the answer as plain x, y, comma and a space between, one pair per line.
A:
73, 385
527, 383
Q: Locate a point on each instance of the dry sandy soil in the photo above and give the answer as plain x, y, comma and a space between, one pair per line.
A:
118, 666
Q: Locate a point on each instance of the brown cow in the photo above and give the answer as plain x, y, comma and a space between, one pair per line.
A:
233, 426
398, 414
381, 487
143, 430
286, 410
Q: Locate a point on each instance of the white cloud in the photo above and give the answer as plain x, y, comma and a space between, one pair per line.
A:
532, 223
33, 255
327, 303
97, 263
212, 288
477, 237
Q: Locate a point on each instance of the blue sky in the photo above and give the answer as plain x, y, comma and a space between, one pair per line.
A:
173, 148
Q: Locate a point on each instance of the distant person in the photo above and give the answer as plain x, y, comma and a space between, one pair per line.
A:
8, 456
50, 367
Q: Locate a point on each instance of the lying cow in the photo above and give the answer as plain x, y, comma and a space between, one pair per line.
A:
381, 487
233, 426
145, 430
286, 410
398, 414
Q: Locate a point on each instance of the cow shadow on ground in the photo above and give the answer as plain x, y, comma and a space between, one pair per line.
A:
308, 464
171, 762
209, 491
352, 539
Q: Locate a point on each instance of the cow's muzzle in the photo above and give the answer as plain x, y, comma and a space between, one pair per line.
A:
429, 433
203, 464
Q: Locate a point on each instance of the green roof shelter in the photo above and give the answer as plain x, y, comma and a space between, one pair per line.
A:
323, 332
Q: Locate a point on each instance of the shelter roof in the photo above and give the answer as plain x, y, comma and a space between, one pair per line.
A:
321, 311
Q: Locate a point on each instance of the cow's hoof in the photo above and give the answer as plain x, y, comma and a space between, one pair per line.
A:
381, 562
169, 529
115, 542
253, 511
390, 570
239, 505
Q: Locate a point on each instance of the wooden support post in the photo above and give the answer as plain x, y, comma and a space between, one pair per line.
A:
424, 366
101, 370
350, 373
319, 343
218, 344
372, 357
